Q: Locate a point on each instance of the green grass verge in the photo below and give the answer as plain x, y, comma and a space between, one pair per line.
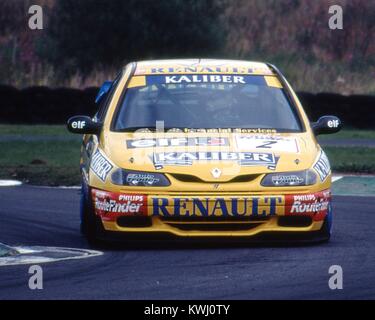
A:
351, 159
43, 162
53, 161
56, 161
350, 134
40, 130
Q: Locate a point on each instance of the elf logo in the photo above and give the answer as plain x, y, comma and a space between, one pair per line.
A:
78, 124
333, 123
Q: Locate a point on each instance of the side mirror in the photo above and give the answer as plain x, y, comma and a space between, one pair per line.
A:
83, 125
104, 89
327, 125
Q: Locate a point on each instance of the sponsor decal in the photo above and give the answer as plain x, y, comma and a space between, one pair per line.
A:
187, 158
205, 79
333, 123
274, 143
302, 207
199, 79
315, 205
322, 166
145, 178
224, 69
177, 142
230, 130
290, 179
110, 205
78, 124
219, 207
100, 165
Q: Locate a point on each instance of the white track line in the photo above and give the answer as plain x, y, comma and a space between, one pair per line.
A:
36, 255
10, 183
60, 187
336, 178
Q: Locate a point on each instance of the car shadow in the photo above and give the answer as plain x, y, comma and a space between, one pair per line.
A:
190, 244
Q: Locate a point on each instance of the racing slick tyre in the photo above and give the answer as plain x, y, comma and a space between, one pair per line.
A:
91, 225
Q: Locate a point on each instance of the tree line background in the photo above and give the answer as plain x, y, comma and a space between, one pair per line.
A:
85, 42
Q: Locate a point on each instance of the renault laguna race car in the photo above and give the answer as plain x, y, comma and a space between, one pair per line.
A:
203, 148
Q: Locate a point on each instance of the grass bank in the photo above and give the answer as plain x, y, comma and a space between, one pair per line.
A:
41, 154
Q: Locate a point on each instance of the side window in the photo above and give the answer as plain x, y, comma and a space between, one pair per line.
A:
102, 108
103, 105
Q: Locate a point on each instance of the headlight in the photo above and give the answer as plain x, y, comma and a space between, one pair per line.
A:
137, 178
284, 179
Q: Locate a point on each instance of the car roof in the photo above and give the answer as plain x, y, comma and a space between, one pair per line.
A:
202, 66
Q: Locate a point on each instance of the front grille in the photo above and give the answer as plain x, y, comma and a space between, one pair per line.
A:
294, 221
192, 178
214, 223
244, 178
186, 177
134, 222
214, 227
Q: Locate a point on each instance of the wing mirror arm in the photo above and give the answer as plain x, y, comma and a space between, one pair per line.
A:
315, 127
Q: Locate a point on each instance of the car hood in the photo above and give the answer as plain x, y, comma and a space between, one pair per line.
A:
211, 156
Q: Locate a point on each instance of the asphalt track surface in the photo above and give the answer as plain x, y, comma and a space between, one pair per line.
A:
49, 217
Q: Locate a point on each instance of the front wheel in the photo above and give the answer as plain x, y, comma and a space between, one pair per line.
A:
326, 229
91, 225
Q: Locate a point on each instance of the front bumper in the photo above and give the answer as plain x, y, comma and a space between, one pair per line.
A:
219, 215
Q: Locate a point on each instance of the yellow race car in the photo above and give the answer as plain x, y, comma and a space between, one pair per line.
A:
200, 148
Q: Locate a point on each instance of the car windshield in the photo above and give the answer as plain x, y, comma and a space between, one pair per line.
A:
206, 102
